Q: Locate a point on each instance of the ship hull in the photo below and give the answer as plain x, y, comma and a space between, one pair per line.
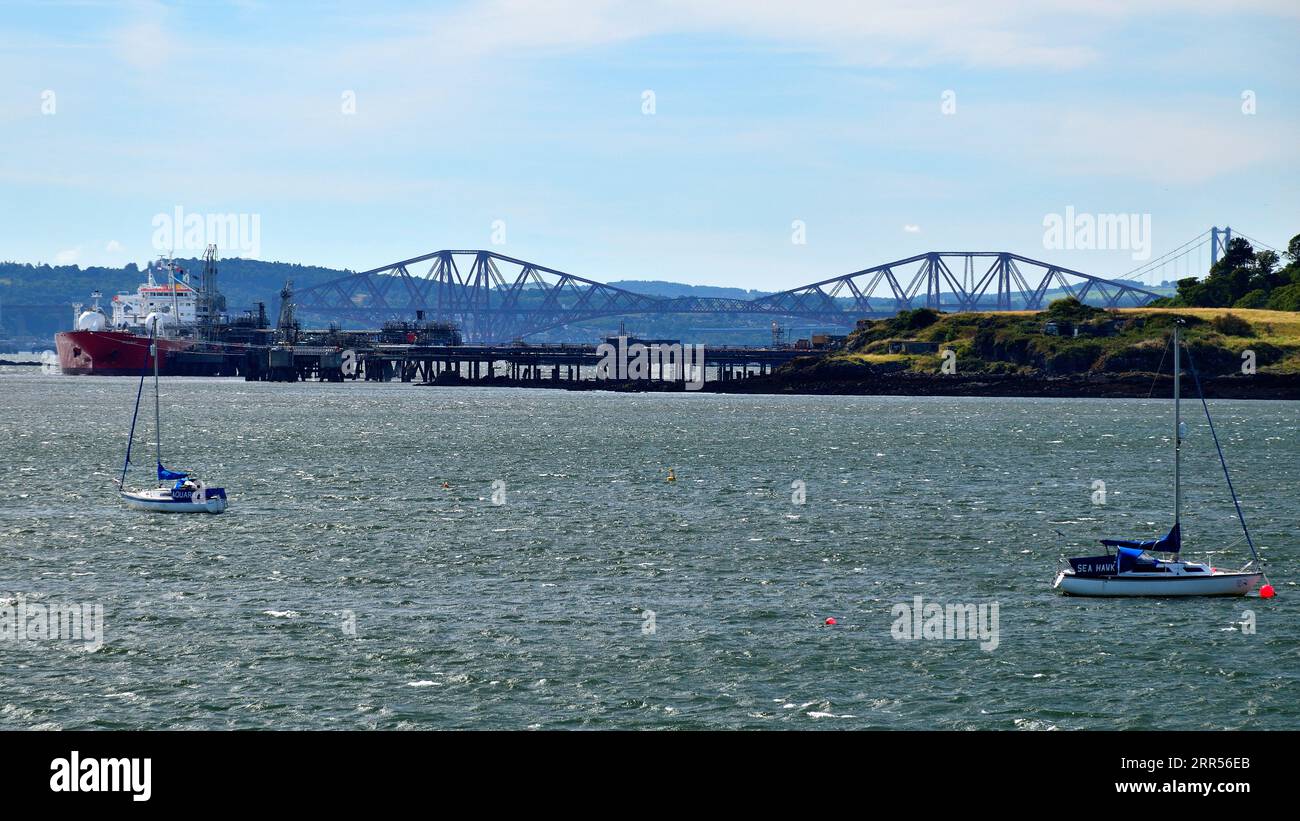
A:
117, 353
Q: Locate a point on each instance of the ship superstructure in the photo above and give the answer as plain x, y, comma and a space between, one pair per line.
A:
194, 336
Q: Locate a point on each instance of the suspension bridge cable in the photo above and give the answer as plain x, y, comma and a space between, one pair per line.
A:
1257, 243
1146, 266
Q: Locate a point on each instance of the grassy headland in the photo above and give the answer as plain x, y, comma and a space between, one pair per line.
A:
1068, 350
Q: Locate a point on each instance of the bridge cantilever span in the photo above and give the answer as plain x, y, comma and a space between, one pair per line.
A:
496, 298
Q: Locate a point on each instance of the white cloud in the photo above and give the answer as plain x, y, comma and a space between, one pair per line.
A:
912, 229
113, 247
993, 33
1002, 33
1163, 146
1182, 142
68, 256
145, 45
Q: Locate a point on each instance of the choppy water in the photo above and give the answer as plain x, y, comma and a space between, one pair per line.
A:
532, 613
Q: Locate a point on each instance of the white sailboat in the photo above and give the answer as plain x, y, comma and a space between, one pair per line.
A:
177, 491
1132, 571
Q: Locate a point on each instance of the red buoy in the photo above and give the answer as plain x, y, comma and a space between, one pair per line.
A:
1267, 592
832, 622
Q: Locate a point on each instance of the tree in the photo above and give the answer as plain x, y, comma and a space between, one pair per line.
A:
1213, 292
1257, 298
1238, 254
1266, 261
1071, 309
1230, 279
1286, 298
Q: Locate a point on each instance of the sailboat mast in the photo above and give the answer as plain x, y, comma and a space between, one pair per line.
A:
1178, 429
157, 415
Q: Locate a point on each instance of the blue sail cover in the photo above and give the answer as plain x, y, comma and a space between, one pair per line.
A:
165, 475
1130, 558
1170, 543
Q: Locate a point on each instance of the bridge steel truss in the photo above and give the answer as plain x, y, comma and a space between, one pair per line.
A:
496, 298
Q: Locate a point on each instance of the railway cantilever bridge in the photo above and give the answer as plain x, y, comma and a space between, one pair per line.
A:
496, 298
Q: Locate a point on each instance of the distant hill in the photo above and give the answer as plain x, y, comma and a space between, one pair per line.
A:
675, 289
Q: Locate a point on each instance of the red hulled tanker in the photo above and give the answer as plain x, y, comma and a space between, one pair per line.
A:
194, 338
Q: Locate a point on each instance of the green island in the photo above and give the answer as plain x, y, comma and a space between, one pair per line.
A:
1070, 349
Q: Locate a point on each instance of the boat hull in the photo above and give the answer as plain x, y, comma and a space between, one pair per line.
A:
161, 502
118, 353
1215, 584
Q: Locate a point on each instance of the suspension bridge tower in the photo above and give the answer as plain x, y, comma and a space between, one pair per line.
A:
1219, 243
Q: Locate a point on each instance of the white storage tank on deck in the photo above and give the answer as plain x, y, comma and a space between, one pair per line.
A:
92, 321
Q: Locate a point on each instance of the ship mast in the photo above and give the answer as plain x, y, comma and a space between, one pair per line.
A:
207, 304
173, 280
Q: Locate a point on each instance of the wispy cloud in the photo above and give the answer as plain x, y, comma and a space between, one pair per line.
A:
991, 33
824, 110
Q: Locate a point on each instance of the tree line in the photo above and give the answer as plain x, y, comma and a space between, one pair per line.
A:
1244, 278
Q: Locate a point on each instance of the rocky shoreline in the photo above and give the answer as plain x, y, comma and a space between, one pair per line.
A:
858, 383
1083, 386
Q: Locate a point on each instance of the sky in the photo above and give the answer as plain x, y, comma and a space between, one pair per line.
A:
724, 142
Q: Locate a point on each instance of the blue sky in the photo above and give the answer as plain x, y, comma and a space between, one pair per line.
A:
471, 115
